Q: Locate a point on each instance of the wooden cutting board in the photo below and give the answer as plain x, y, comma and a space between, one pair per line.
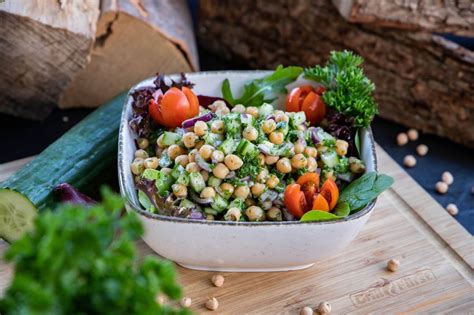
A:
435, 275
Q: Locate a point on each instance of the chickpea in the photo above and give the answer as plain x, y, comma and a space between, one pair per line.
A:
312, 164
141, 154
212, 304
270, 159
190, 139
233, 162
239, 108
299, 161
276, 137
217, 156
306, 311
192, 167
199, 144
341, 147
262, 176
206, 151
278, 112
261, 158
218, 126
192, 155
180, 190
143, 143
257, 189
311, 152
151, 163
283, 165
422, 149
208, 193
409, 161
412, 134
255, 213
324, 308
174, 150
274, 214
233, 214
402, 139
205, 175
166, 170
186, 302
356, 166
219, 104
137, 167
392, 265
268, 126
159, 141
251, 110
200, 128
227, 188
452, 209
250, 133
267, 205
282, 117
242, 192
220, 171
272, 181
441, 187
182, 160
447, 177
299, 147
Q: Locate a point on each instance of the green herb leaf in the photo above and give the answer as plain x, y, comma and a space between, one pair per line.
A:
342, 209
348, 90
363, 190
263, 90
317, 215
83, 260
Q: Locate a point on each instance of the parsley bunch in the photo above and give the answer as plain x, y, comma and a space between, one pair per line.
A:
81, 260
348, 90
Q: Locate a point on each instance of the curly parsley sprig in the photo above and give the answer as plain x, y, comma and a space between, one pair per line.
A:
348, 90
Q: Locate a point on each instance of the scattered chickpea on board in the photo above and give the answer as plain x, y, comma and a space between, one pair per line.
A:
441, 187
402, 139
324, 308
186, 302
422, 149
447, 177
306, 311
392, 265
452, 209
409, 161
212, 304
217, 280
412, 134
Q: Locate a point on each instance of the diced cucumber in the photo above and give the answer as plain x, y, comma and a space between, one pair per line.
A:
297, 119
219, 203
330, 158
213, 138
170, 138
150, 174
228, 146
247, 120
145, 202
197, 181
185, 203
208, 210
165, 161
17, 214
232, 124
237, 203
265, 110
283, 127
163, 183
183, 179
214, 181
280, 187
177, 170
245, 147
284, 149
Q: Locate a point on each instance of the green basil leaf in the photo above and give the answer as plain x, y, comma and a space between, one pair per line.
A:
317, 215
342, 209
227, 92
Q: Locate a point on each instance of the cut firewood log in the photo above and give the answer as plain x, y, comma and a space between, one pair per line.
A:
135, 40
456, 17
423, 81
43, 45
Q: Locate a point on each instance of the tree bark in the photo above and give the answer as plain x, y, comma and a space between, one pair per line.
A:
442, 16
44, 44
135, 40
423, 81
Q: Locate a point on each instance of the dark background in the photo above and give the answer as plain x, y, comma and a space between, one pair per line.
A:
21, 138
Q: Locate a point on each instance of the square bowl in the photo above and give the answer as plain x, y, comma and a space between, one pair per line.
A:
237, 246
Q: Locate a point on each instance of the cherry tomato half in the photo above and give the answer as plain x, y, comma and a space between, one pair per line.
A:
174, 107
330, 192
295, 200
306, 98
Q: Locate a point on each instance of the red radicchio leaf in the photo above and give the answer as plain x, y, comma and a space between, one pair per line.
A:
342, 127
71, 195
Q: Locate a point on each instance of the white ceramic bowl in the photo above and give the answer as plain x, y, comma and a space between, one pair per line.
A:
237, 246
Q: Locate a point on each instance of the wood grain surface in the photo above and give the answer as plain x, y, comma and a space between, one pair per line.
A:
435, 274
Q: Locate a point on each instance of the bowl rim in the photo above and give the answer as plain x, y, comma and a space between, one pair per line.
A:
158, 217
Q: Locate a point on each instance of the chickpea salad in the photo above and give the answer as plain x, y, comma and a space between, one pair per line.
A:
240, 159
